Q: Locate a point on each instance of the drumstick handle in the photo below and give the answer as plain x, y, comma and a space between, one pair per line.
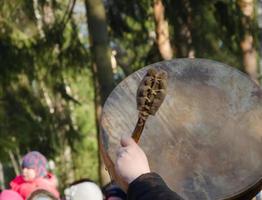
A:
138, 129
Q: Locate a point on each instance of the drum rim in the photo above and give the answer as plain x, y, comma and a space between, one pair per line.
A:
249, 193
243, 193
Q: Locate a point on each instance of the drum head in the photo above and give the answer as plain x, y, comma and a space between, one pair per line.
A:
206, 138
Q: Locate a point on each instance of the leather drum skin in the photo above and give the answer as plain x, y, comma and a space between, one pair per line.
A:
206, 138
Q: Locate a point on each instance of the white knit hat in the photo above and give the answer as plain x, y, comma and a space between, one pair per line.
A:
84, 191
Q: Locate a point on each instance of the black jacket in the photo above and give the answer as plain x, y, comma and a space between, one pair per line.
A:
150, 186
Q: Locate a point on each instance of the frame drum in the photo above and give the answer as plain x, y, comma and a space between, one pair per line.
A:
206, 138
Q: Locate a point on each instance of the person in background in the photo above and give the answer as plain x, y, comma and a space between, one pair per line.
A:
112, 191
34, 176
84, 189
41, 194
10, 195
132, 165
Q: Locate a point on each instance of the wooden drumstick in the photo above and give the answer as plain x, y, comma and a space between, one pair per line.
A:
150, 95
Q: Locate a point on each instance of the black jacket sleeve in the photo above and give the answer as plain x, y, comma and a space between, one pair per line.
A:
150, 186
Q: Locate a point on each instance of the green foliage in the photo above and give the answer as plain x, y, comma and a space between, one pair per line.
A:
46, 84
215, 28
46, 93
132, 32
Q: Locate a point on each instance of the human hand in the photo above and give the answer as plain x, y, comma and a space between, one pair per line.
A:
131, 161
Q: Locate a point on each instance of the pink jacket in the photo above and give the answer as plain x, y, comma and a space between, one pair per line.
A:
25, 188
10, 195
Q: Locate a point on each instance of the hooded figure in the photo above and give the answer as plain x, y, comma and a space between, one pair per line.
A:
35, 160
34, 176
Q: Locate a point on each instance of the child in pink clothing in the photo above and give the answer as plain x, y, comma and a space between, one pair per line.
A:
10, 195
34, 176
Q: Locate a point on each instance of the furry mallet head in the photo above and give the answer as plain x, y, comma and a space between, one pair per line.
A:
150, 95
151, 91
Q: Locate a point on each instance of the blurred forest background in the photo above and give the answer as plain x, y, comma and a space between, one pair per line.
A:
59, 60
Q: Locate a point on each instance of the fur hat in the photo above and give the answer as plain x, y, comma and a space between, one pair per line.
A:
84, 190
37, 161
41, 194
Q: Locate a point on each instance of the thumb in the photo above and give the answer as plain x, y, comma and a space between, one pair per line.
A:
126, 141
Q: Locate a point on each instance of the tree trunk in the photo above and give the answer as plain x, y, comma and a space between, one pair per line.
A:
99, 46
104, 177
2, 177
102, 69
14, 163
249, 52
38, 17
48, 14
185, 48
68, 164
162, 31
259, 17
